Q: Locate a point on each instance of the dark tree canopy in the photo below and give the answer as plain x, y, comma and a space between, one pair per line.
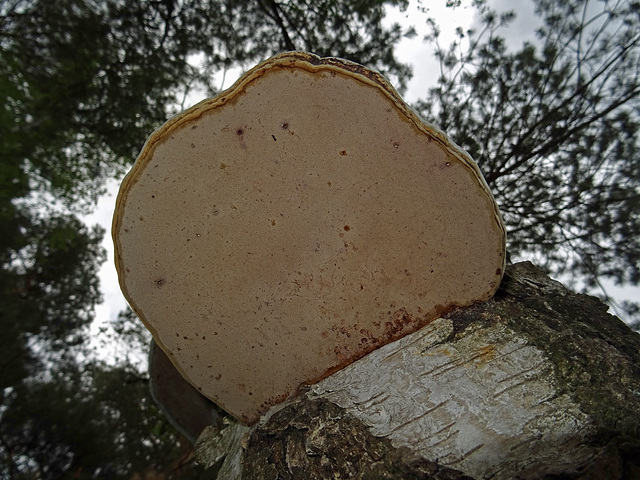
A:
48, 291
554, 125
89, 422
84, 82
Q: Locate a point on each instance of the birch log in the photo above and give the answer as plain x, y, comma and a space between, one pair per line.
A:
538, 382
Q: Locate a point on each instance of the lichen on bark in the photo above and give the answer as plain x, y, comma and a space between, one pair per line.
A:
596, 356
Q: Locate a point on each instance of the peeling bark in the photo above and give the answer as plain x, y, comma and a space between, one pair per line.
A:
537, 382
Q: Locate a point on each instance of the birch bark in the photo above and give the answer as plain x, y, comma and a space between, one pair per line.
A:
536, 382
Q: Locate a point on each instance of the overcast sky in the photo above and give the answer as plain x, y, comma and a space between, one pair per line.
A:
413, 51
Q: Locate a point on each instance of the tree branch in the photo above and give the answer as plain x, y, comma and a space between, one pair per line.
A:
272, 12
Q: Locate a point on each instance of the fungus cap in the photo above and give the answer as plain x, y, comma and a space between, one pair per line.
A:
306, 216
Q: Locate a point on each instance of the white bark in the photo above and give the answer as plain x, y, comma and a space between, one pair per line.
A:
485, 404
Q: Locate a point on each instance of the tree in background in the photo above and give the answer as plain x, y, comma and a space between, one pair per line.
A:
92, 421
48, 291
554, 126
82, 84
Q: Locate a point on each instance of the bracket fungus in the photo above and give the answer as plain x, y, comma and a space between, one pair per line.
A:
274, 234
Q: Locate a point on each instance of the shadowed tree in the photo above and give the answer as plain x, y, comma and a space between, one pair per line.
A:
553, 125
89, 422
48, 290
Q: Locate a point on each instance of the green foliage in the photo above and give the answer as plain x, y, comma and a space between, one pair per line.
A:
89, 422
81, 91
48, 291
554, 127
349, 29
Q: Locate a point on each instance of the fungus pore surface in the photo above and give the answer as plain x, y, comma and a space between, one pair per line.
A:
306, 216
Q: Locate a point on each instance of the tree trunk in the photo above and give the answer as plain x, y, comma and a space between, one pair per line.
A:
536, 382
